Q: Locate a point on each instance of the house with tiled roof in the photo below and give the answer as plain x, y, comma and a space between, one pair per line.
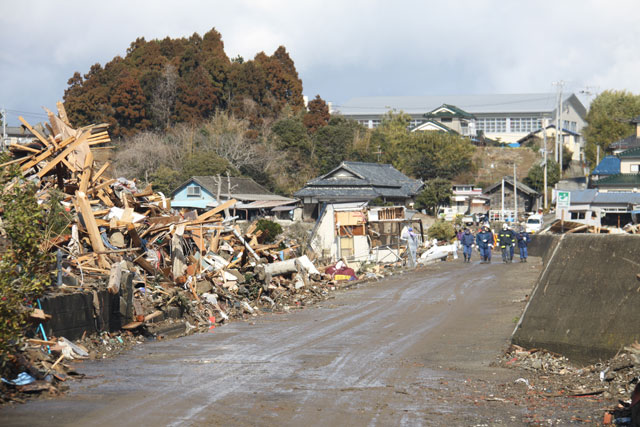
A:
627, 143
628, 176
358, 182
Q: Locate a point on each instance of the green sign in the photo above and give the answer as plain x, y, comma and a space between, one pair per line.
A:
563, 199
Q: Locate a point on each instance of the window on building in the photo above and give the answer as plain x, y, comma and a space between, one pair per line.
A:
375, 123
492, 125
635, 168
446, 119
525, 124
574, 126
193, 191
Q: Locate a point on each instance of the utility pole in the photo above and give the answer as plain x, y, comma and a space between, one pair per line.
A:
515, 194
4, 128
544, 131
502, 208
559, 134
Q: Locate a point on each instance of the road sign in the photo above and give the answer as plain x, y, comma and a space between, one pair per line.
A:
564, 199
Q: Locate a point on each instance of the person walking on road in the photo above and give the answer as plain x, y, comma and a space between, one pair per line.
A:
467, 240
523, 242
484, 241
507, 242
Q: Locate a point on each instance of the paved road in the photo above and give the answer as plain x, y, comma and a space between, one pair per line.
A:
398, 351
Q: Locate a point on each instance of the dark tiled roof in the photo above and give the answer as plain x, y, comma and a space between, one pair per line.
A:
630, 153
362, 181
619, 180
625, 143
610, 165
509, 179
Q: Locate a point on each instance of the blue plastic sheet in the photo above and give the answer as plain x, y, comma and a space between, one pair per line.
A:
22, 379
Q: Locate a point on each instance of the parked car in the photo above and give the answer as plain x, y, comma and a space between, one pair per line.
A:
534, 224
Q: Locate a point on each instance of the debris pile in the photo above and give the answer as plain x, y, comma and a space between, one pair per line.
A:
160, 264
552, 375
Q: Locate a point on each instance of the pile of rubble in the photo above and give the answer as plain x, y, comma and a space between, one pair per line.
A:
552, 375
128, 241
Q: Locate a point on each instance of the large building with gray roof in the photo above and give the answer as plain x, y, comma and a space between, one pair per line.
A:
504, 117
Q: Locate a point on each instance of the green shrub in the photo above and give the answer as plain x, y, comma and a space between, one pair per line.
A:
441, 230
24, 267
269, 229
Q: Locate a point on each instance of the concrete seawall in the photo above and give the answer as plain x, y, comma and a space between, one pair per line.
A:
586, 304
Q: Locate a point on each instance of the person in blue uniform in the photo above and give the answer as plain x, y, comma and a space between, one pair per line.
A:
484, 241
523, 242
467, 240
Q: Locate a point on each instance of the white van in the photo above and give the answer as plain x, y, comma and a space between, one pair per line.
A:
534, 224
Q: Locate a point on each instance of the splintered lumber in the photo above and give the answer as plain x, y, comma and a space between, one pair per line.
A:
114, 278
60, 156
86, 172
215, 210
62, 113
38, 135
91, 226
100, 172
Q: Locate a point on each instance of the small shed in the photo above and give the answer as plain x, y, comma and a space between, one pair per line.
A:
528, 198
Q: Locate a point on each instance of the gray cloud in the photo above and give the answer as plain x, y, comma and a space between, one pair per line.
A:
341, 48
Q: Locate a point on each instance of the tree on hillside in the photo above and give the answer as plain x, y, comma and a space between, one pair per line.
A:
436, 193
334, 143
163, 100
429, 155
392, 135
535, 177
204, 81
608, 120
317, 116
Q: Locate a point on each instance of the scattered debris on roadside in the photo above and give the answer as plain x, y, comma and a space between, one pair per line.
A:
613, 382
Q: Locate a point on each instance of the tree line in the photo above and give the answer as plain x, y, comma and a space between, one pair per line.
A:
181, 107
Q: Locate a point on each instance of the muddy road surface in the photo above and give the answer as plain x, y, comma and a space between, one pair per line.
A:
413, 349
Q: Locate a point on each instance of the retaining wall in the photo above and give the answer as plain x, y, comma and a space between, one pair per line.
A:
586, 304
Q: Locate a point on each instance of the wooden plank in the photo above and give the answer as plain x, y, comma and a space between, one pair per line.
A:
86, 172
100, 172
215, 210
60, 156
63, 113
92, 227
114, 278
127, 215
38, 135
101, 186
20, 147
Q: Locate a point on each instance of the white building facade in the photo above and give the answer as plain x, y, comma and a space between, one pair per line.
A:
503, 117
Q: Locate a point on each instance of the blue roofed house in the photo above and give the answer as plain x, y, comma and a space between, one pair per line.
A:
608, 166
199, 192
358, 182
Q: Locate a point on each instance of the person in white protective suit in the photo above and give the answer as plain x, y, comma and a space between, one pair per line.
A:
411, 240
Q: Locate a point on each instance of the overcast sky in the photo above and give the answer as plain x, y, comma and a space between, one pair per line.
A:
341, 48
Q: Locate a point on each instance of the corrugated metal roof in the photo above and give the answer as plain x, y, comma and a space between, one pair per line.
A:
474, 104
595, 197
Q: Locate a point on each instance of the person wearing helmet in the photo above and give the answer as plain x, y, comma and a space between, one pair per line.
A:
467, 241
507, 242
484, 241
